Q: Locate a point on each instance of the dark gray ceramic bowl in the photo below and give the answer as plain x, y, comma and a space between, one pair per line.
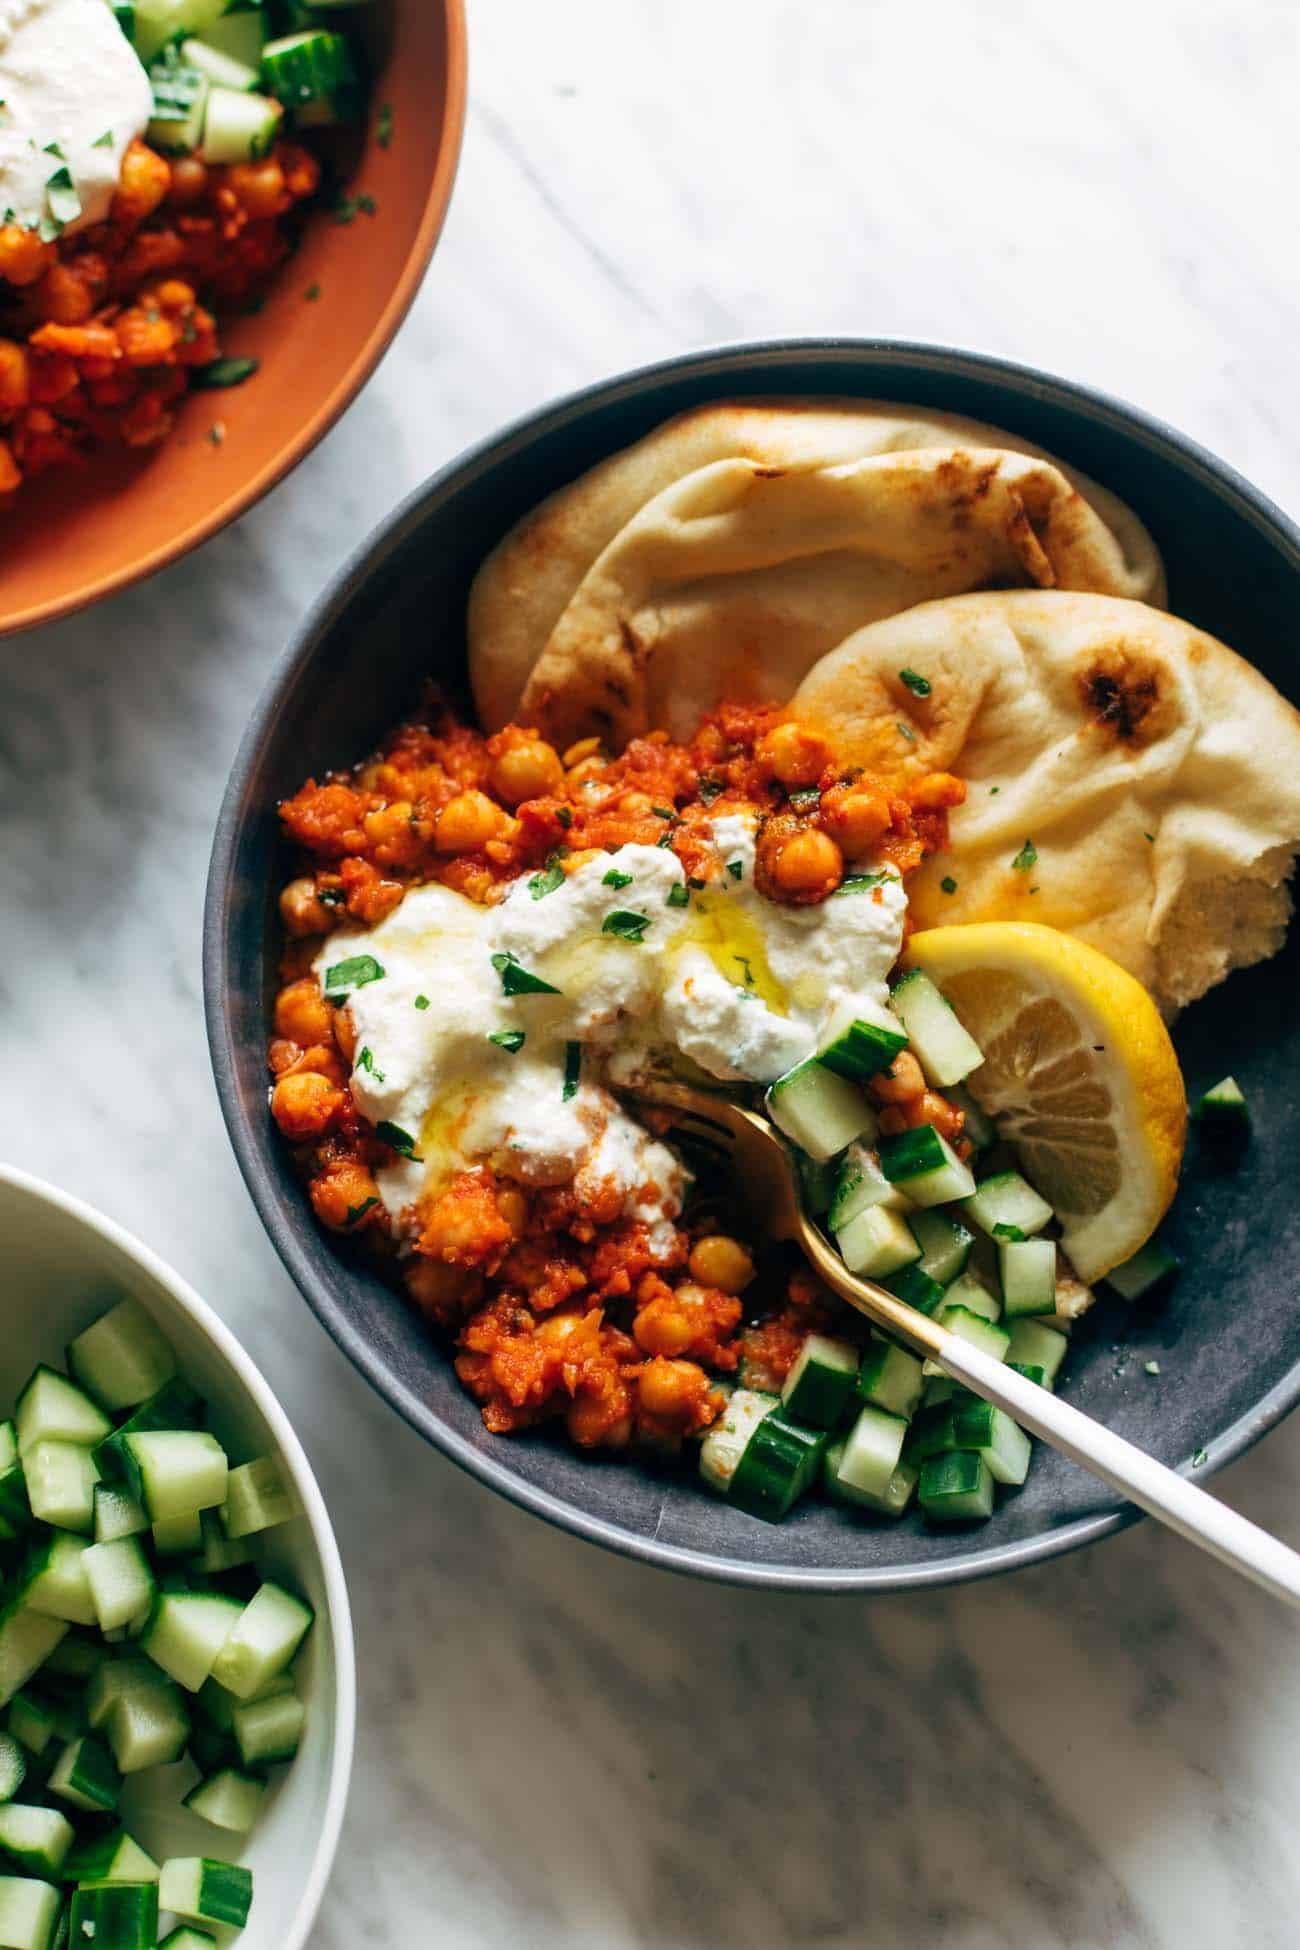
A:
1227, 1341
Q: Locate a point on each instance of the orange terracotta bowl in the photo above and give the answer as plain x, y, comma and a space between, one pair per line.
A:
75, 535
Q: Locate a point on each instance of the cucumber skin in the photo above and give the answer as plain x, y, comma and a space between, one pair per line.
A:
772, 1475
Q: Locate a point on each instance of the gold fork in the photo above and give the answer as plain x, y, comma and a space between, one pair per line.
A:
767, 1183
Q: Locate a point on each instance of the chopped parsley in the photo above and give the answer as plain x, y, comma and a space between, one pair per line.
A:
366, 1061
679, 896
367, 206
401, 1141
53, 149
517, 980
1004, 1231
666, 837
694, 884
736, 868
511, 1039
1151, 837
617, 878
223, 372
1199, 1456
918, 685
62, 197
1150, 1367
859, 883
1026, 859
806, 799
546, 883
564, 814
572, 1071
104, 141
994, 791
421, 1001
312, 293
906, 731
948, 884
355, 1212
663, 812
626, 925
709, 790
384, 125
742, 962
351, 974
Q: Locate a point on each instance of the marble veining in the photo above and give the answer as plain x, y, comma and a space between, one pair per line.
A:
557, 1746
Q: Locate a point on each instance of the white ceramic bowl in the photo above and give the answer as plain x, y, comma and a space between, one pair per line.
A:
62, 1264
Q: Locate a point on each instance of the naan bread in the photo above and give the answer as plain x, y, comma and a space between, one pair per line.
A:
1129, 779
735, 580
524, 587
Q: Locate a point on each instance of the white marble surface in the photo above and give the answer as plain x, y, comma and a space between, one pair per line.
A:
557, 1746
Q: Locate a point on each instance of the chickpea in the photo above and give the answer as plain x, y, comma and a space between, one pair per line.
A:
587, 771
189, 180
559, 1328
305, 1104
441, 1291
595, 1420
585, 748
258, 187
808, 862
345, 1034
662, 1328
528, 770
345, 1196
721, 1262
513, 1207
901, 1082
303, 1015
856, 819
793, 754
467, 822
670, 1389
302, 910
937, 791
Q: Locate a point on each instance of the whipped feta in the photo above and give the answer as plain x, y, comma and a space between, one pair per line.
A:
459, 1047
74, 95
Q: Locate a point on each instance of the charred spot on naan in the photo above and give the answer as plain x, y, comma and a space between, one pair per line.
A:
1126, 696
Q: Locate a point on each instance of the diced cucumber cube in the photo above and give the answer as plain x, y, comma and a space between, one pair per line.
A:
724, 1445
29, 1910
61, 1478
179, 1536
897, 1495
53, 1580
117, 1514
8, 1445
1033, 1345
858, 1049
932, 1433
268, 1730
861, 1183
222, 1553
969, 1291
186, 1631
945, 1244
1027, 1268
111, 1857
15, 1505
258, 1496
86, 1775
228, 1800
27, 1639
13, 1767
817, 1389
945, 1051
969, 1326
1007, 1200
222, 70
184, 1937
1223, 1110
37, 1839
916, 1289
78, 1656
175, 1406
873, 1449
780, 1462
266, 1637
1148, 1269
123, 1359
114, 1916
890, 1378
32, 1720
1031, 1373
238, 126
216, 1892
148, 1729
241, 35
991, 1433
117, 1677
876, 1243
956, 1487
176, 1472
925, 1165
121, 1581
53, 1409
818, 1110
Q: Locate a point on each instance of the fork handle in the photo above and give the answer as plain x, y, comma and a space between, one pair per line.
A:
1201, 1518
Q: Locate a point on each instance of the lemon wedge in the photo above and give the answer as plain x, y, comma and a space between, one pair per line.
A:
1078, 1071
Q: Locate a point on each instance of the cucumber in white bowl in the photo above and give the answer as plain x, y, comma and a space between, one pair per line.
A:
176, 1668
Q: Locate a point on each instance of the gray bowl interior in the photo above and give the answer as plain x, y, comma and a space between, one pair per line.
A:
1228, 1339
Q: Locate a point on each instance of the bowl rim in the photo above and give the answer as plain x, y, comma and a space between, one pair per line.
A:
250, 1143
332, 408
313, 1503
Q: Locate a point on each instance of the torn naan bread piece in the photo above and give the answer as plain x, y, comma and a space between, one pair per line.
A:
525, 585
1129, 779
734, 581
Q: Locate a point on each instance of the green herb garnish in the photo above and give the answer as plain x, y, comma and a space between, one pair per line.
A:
62, 197
384, 125
1026, 858
355, 1212
223, 372
546, 883
401, 1141
351, 974
104, 141
312, 293
663, 812
806, 799
736, 868
906, 731
421, 1001
564, 814
366, 1061
572, 1071
918, 685
710, 789
53, 149
859, 883
517, 980
626, 925
511, 1039
948, 884
679, 896
616, 878
1199, 1456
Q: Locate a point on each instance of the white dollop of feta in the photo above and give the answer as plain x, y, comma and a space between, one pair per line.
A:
744, 986
68, 78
